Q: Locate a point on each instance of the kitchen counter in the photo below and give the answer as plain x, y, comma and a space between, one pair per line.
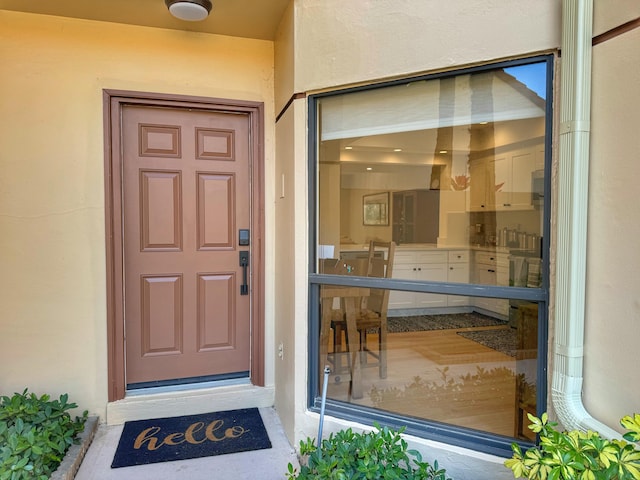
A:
433, 246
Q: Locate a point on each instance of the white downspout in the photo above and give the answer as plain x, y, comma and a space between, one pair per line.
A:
573, 177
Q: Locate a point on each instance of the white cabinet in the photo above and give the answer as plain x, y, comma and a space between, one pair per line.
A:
516, 193
477, 193
458, 272
432, 266
492, 268
436, 272
539, 157
503, 182
423, 265
398, 299
485, 267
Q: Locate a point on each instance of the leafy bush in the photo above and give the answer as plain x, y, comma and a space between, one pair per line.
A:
578, 455
381, 454
35, 433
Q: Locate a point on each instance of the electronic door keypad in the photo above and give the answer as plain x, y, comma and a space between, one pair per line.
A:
243, 237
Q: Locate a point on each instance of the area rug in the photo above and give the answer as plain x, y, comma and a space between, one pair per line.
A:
441, 322
502, 339
190, 436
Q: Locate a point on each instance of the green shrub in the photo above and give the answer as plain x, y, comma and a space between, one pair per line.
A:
35, 433
578, 455
381, 454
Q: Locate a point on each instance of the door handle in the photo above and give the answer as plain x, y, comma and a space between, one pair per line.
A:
244, 263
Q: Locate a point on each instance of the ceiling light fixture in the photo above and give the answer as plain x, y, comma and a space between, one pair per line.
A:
397, 149
443, 152
348, 148
189, 10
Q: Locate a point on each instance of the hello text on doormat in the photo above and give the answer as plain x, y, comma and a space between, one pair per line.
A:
190, 436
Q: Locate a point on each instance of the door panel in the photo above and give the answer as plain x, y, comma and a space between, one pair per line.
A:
215, 197
214, 330
186, 188
161, 315
161, 215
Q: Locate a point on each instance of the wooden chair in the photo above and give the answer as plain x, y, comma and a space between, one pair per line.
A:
349, 296
372, 311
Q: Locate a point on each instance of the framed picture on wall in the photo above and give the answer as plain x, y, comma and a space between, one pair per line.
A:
375, 209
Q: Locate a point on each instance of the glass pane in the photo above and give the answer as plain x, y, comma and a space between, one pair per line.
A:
447, 166
467, 369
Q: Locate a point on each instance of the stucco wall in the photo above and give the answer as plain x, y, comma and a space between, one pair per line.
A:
340, 42
52, 287
291, 267
284, 49
345, 43
608, 14
612, 310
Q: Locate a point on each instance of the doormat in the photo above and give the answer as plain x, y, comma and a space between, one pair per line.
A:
190, 436
441, 322
502, 340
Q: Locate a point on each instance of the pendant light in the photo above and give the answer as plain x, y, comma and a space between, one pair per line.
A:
189, 10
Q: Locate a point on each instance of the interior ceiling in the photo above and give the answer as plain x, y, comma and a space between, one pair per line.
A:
257, 19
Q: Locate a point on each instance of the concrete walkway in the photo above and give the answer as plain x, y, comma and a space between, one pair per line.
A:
268, 464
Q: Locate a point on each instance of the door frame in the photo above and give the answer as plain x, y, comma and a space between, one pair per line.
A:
113, 103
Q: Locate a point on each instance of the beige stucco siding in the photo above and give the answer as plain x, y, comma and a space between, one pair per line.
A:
53, 282
613, 258
345, 43
608, 14
52, 246
284, 50
339, 43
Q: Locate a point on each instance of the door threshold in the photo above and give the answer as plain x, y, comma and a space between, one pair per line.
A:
188, 400
135, 392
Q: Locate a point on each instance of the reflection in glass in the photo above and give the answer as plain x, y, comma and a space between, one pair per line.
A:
443, 163
451, 171
467, 369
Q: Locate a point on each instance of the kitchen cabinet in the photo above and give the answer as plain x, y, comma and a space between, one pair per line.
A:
477, 198
503, 182
458, 272
431, 265
492, 268
424, 265
486, 267
415, 216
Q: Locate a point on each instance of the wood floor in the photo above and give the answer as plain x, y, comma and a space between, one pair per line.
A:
439, 375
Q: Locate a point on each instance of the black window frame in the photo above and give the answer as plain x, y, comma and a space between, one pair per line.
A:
450, 434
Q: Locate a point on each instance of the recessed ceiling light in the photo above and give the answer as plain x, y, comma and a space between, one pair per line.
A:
369, 169
443, 151
397, 149
348, 148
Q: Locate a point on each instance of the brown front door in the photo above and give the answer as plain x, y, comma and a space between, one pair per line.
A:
186, 194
